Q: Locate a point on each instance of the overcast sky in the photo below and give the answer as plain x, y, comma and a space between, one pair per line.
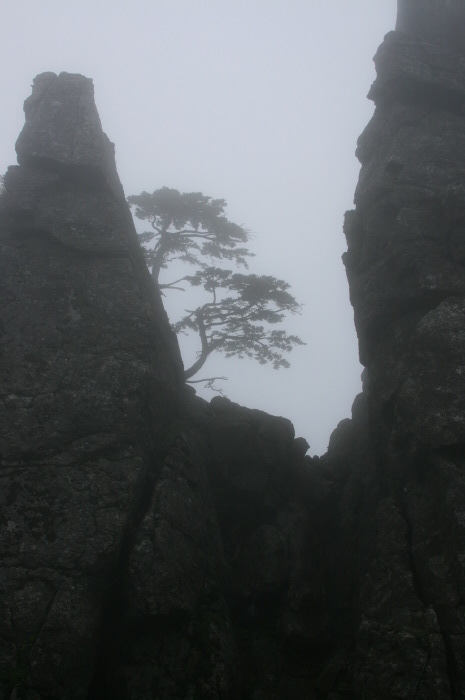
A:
259, 102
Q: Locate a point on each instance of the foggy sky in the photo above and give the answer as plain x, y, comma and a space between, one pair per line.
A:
259, 102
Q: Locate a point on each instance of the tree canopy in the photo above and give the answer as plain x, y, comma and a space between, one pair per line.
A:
234, 319
241, 312
189, 227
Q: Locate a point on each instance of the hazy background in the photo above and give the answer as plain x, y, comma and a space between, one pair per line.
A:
259, 102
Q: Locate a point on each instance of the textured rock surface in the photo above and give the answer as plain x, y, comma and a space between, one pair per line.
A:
63, 132
90, 377
152, 546
217, 591
156, 547
405, 265
436, 21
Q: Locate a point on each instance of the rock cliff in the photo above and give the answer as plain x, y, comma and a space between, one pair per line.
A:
150, 542
157, 547
405, 265
90, 377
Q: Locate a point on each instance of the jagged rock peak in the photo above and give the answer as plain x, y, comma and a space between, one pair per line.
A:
435, 21
88, 392
63, 132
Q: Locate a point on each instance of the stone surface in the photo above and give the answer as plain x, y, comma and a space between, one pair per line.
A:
154, 546
90, 377
405, 265
218, 597
63, 132
436, 21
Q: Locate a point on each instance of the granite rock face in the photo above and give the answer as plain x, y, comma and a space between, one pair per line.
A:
225, 584
153, 546
63, 132
405, 265
90, 378
156, 547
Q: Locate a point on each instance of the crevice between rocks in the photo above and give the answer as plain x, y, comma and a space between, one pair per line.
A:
104, 682
452, 670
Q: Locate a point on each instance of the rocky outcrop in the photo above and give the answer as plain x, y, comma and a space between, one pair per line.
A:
152, 545
157, 547
90, 379
405, 265
222, 594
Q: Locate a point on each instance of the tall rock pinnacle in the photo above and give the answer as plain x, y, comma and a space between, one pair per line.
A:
406, 269
63, 131
143, 532
89, 378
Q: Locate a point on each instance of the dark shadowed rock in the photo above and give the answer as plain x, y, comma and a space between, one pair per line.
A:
63, 131
90, 378
152, 545
405, 265
156, 547
434, 21
221, 587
